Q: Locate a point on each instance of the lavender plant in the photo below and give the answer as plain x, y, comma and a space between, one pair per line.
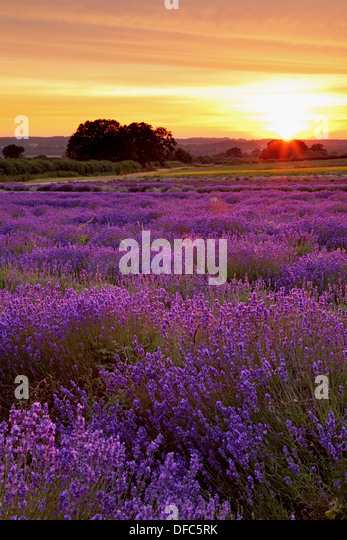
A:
151, 391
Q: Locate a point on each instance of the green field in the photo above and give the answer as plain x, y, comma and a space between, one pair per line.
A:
299, 168
302, 169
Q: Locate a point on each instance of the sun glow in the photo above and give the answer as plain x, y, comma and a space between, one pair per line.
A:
287, 109
287, 124
286, 114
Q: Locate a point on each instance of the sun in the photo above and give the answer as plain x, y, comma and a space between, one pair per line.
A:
283, 108
285, 115
286, 126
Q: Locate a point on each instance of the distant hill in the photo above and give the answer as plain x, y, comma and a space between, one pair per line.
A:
210, 147
48, 146
205, 146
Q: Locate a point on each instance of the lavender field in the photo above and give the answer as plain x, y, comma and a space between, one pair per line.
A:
151, 391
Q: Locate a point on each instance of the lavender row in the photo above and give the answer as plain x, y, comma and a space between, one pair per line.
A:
154, 392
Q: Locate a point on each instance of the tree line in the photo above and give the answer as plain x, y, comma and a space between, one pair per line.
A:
109, 140
280, 150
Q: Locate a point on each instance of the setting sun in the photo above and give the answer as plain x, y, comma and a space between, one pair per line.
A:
287, 114
286, 108
169, 67
289, 108
287, 124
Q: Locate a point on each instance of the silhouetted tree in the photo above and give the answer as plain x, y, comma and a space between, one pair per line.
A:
318, 150
183, 155
284, 150
144, 142
166, 144
234, 152
318, 147
101, 139
13, 151
107, 139
298, 148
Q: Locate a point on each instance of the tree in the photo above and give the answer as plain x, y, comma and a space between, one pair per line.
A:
101, 139
318, 150
144, 142
298, 148
183, 155
284, 150
107, 139
166, 144
318, 147
13, 151
234, 152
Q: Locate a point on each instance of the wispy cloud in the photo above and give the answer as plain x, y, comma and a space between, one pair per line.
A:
64, 62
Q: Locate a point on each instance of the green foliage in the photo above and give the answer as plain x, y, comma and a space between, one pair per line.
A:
28, 169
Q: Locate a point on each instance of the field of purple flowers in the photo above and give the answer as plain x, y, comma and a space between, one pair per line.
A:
153, 391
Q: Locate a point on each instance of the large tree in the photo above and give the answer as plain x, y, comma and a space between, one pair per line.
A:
144, 143
101, 139
107, 139
284, 150
166, 144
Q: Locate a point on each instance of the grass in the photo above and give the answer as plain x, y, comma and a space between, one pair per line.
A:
308, 168
181, 173
335, 166
23, 170
103, 177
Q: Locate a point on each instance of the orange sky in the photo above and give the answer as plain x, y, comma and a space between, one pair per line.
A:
212, 68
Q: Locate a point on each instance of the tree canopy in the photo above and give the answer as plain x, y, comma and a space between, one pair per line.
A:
284, 150
109, 140
234, 152
13, 151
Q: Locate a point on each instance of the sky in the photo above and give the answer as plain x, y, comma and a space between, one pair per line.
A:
212, 68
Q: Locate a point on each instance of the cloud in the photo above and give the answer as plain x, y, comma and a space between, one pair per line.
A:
139, 51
